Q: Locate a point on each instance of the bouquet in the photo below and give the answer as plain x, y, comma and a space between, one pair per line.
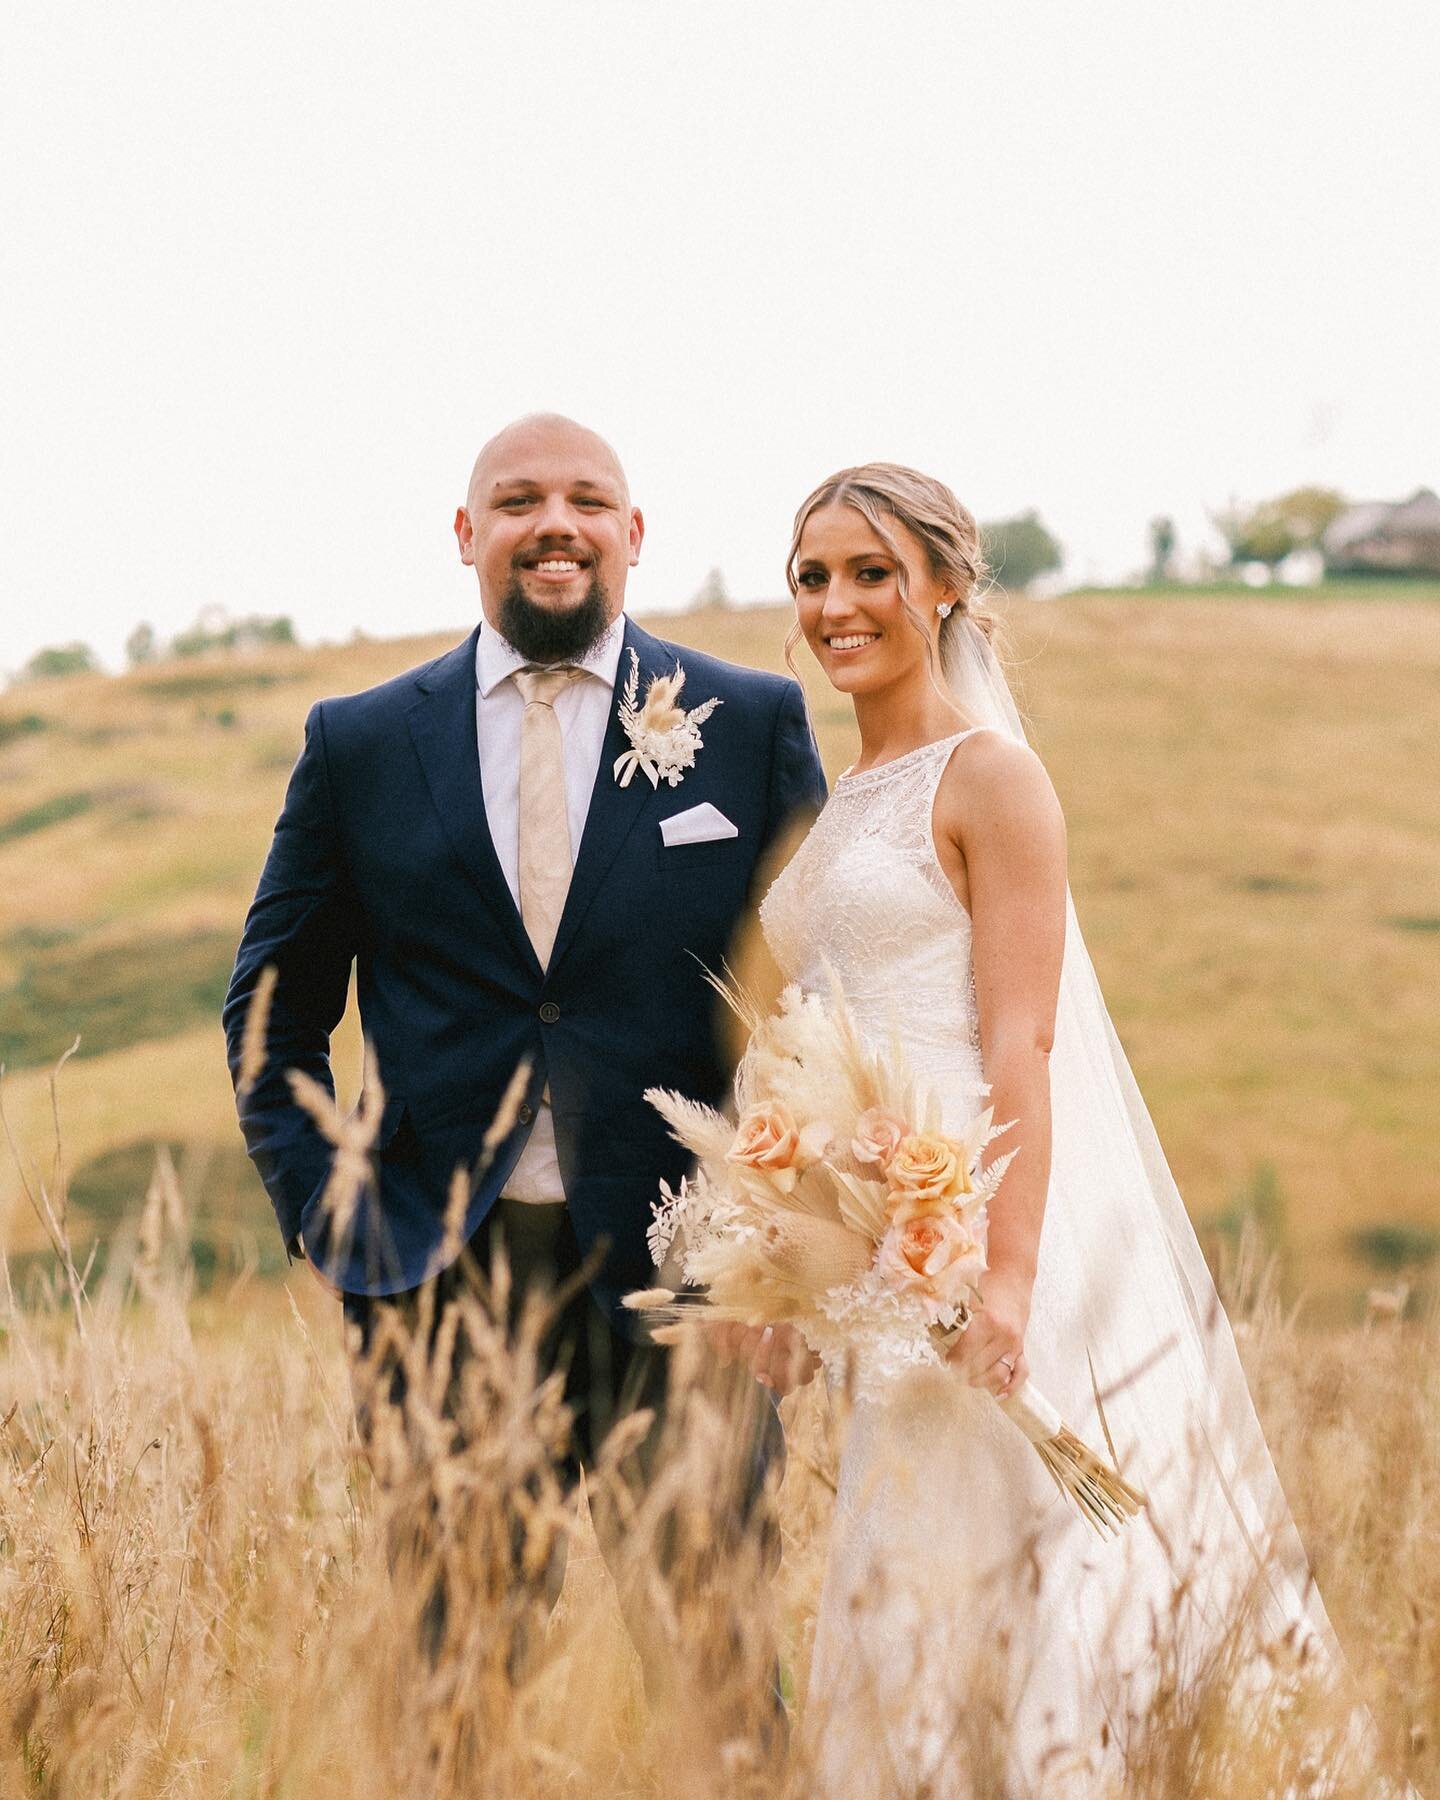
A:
839, 1205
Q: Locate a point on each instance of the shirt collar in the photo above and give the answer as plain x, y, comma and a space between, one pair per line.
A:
496, 659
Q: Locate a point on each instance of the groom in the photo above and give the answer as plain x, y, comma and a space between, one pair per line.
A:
468, 838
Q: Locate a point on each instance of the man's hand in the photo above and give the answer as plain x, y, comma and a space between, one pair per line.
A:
777, 1354
319, 1274
990, 1352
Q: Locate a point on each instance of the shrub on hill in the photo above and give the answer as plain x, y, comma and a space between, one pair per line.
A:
21, 725
59, 660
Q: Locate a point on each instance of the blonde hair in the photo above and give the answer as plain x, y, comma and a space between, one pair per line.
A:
889, 494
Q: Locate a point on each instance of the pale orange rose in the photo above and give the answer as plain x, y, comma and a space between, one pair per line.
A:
767, 1138
878, 1135
931, 1252
929, 1167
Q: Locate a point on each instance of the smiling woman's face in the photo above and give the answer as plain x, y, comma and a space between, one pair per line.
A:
848, 599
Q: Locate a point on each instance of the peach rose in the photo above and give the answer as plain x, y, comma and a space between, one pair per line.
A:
930, 1251
878, 1135
767, 1139
928, 1166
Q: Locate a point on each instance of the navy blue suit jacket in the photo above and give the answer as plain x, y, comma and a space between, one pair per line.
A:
382, 858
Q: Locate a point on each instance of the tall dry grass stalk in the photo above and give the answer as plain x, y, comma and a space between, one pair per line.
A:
208, 1588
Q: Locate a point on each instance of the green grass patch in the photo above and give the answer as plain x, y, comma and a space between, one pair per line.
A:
20, 725
1421, 922
1393, 1247
109, 998
229, 1222
1278, 884
41, 937
49, 812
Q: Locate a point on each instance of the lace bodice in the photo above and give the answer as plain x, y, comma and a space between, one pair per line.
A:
866, 893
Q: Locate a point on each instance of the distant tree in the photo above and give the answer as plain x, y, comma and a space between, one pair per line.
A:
197, 641
1267, 533
1018, 550
1162, 548
141, 646
215, 633
256, 630
61, 659
712, 591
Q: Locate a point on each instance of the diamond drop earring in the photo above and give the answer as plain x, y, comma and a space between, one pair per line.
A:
945, 608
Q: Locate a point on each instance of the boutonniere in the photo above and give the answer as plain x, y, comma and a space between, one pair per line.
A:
663, 736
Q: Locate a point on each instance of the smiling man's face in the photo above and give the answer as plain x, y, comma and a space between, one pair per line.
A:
551, 534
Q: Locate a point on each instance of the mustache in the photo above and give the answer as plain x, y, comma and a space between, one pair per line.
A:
527, 559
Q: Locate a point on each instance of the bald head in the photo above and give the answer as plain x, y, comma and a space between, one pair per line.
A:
543, 436
550, 531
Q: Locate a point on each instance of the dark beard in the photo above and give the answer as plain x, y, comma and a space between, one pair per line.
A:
542, 636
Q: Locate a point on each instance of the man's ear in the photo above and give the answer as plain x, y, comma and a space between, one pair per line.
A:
637, 534
465, 536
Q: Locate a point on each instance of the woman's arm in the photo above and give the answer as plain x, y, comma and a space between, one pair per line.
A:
1002, 838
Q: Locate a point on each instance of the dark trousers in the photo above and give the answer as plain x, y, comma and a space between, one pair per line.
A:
606, 1375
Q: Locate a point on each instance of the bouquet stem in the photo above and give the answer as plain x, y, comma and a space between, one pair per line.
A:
1101, 1492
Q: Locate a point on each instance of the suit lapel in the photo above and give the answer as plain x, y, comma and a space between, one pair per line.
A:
442, 729
614, 811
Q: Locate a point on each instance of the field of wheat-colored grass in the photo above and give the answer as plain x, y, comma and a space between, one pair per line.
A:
205, 1590
1252, 786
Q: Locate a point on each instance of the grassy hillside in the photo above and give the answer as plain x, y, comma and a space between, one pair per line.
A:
1253, 792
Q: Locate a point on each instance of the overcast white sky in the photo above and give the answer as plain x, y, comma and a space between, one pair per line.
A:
271, 272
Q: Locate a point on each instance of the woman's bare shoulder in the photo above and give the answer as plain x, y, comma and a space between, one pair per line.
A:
991, 778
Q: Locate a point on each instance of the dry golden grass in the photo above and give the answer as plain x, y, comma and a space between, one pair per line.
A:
205, 1590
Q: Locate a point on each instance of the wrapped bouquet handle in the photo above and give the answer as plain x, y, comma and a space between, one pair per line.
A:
1100, 1491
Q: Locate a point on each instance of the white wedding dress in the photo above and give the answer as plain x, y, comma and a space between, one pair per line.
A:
975, 1636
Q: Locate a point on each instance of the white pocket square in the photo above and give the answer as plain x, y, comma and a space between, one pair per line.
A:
697, 825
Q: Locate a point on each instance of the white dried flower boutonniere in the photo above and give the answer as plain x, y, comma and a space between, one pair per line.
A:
663, 736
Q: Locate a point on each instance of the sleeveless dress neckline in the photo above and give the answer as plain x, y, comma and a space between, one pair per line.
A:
850, 779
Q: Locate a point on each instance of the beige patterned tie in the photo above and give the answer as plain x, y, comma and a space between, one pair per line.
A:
546, 858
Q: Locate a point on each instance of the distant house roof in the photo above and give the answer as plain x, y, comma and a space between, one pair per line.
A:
1421, 512
1402, 536
1354, 523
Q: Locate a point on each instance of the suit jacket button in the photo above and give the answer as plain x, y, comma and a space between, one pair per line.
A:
526, 1113
549, 1013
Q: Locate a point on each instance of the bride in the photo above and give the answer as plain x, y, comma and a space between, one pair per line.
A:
975, 1637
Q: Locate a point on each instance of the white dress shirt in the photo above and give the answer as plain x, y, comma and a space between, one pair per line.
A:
583, 709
